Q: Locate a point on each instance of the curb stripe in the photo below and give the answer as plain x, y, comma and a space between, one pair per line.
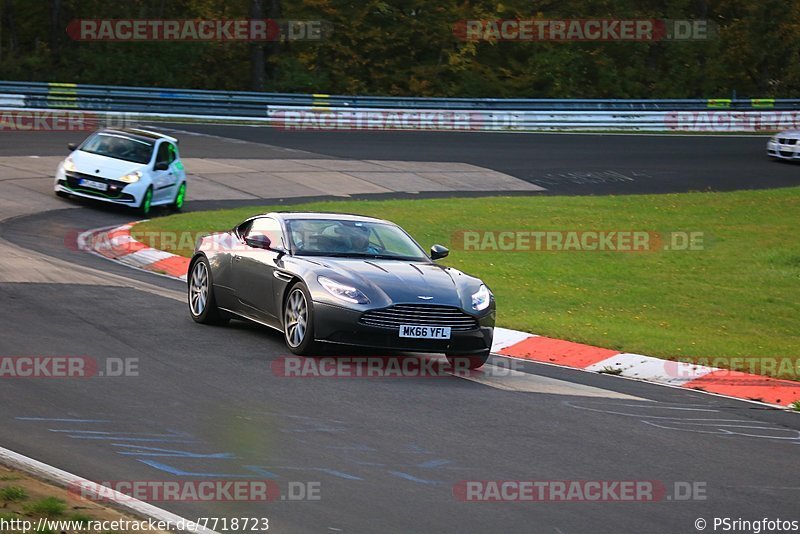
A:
146, 257
503, 337
652, 369
173, 266
748, 386
118, 244
560, 352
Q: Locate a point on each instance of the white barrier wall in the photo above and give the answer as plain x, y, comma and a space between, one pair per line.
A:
320, 118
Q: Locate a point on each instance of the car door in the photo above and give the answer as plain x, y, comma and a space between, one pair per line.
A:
253, 271
164, 181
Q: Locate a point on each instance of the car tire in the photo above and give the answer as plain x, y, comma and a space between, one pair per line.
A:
200, 294
298, 320
147, 201
180, 197
469, 362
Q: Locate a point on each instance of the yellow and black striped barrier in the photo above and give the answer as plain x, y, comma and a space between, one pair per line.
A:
762, 102
321, 101
719, 103
62, 95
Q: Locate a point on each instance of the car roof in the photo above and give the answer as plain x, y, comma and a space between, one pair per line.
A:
285, 215
142, 135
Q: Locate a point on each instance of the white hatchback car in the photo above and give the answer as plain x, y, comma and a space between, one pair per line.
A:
127, 166
784, 145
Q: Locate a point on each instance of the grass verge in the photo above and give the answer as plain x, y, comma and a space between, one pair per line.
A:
735, 298
24, 498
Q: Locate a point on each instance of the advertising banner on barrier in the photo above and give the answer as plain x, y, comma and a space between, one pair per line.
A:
731, 121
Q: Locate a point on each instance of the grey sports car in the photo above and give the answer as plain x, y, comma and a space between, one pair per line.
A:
344, 279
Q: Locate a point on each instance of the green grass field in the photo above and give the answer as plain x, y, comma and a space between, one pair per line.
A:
737, 297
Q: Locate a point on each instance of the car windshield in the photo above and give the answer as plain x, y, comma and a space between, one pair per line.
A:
119, 146
357, 239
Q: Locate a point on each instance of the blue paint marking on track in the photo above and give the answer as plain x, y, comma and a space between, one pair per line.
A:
257, 469
180, 472
412, 478
148, 440
141, 450
123, 443
72, 431
56, 420
105, 433
333, 472
432, 464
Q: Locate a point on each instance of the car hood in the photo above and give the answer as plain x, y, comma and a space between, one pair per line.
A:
402, 281
103, 166
794, 134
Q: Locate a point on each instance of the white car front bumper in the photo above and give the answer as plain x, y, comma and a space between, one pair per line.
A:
115, 191
776, 149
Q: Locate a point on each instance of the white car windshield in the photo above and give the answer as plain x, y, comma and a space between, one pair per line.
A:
358, 239
118, 147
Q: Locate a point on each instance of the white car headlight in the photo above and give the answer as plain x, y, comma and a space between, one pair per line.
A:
69, 165
343, 292
131, 178
481, 299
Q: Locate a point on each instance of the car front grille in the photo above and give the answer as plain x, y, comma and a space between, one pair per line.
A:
115, 187
787, 141
419, 314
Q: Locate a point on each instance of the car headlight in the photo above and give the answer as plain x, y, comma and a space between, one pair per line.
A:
131, 178
69, 165
481, 299
343, 292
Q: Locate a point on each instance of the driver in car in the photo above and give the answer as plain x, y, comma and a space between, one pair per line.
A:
359, 240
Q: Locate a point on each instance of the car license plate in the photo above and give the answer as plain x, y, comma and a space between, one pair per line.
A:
425, 332
94, 185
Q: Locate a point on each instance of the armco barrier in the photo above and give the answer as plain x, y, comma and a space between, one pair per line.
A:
327, 112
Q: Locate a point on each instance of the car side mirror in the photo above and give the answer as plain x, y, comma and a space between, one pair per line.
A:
438, 252
161, 166
258, 241
72, 147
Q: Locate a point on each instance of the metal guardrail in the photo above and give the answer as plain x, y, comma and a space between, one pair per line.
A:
331, 112
254, 104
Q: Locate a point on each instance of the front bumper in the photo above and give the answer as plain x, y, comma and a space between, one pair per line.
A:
117, 192
335, 324
783, 151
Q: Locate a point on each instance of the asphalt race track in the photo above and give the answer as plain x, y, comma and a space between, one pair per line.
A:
572, 164
386, 454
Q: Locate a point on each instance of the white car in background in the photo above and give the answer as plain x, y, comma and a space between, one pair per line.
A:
127, 166
784, 145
